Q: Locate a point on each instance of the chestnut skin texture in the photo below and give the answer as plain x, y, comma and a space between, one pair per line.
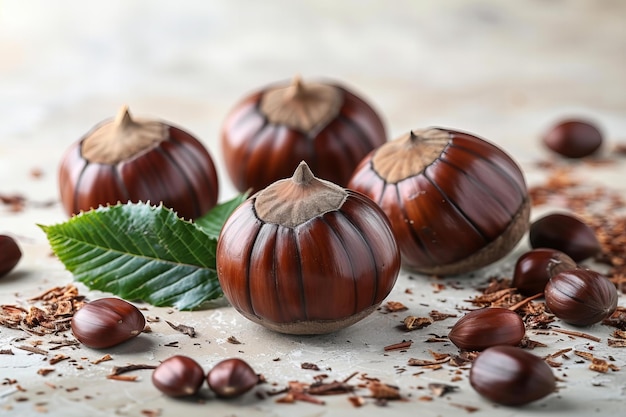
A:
480, 329
107, 322
178, 376
257, 152
565, 233
179, 172
534, 269
510, 376
232, 378
573, 138
466, 209
10, 254
317, 277
581, 297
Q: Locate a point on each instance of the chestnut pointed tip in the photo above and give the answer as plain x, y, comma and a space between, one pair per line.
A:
123, 117
303, 174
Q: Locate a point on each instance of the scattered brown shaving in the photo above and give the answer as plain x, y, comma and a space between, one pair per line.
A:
439, 316
184, 329
309, 366
104, 358
468, 408
405, 344
439, 390
128, 378
119, 370
45, 371
58, 358
415, 323
428, 363
395, 306
597, 364
32, 349
382, 391
233, 340
617, 319
618, 343
577, 334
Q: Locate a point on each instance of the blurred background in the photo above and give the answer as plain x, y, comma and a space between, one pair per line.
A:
502, 70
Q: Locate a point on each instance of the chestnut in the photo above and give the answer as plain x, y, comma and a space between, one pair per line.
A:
580, 296
10, 254
508, 375
573, 138
232, 378
534, 269
564, 232
270, 131
480, 329
178, 376
306, 256
456, 202
131, 159
107, 322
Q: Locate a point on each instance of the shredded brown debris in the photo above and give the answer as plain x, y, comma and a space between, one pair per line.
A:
45, 371
32, 349
128, 378
439, 390
58, 358
382, 391
184, 329
439, 316
617, 319
309, 366
468, 408
415, 323
616, 342
104, 358
405, 344
233, 340
577, 334
597, 364
395, 306
151, 413
429, 363
119, 370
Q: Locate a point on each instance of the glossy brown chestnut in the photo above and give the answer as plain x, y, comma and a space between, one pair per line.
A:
232, 378
107, 322
10, 254
269, 132
178, 376
305, 256
581, 297
456, 202
129, 159
511, 376
573, 138
565, 233
534, 269
480, 329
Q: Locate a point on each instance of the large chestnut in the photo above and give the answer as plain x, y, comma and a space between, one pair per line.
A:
534, 269
107, 322
306, 256
580, 296
10, 254
456, 202
566, 233
131, 159
269, 132
480, 329
511, 376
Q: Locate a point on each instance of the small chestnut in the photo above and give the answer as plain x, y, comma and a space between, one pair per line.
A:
564, 232
306, 256
178, 376
573, 138
107, 322
133, 159
534, 269
270, 131
580, 296
10, 254
480, 329
511, 376
232, 378
455, 201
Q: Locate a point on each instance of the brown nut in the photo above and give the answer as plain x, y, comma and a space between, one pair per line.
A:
573, 138
271, 131
511, 376
178, 376
566, 233
456, 202
132, 159
534, 269
305, 256
232, 378
580, 296
480, 329
10, 254
107, 322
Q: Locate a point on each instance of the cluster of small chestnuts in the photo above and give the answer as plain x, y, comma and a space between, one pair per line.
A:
181, 376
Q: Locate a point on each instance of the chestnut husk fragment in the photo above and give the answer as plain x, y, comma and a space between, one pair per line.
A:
581, 297
178, 376
534, 269
511, 376
455, 201
107, 322
10, 254
232, 378
305, 256
268, 133
566, 233
133, 159
480, 329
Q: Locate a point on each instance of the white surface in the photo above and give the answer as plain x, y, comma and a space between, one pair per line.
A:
502, 70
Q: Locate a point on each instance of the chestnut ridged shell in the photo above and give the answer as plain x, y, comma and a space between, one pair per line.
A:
128, 159
511, 376
269, 132
480, 329
305, 256
456, 202
534, 269
564, 232
178, 376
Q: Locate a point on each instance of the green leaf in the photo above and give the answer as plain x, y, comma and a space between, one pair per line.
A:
213, 221
138, 251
